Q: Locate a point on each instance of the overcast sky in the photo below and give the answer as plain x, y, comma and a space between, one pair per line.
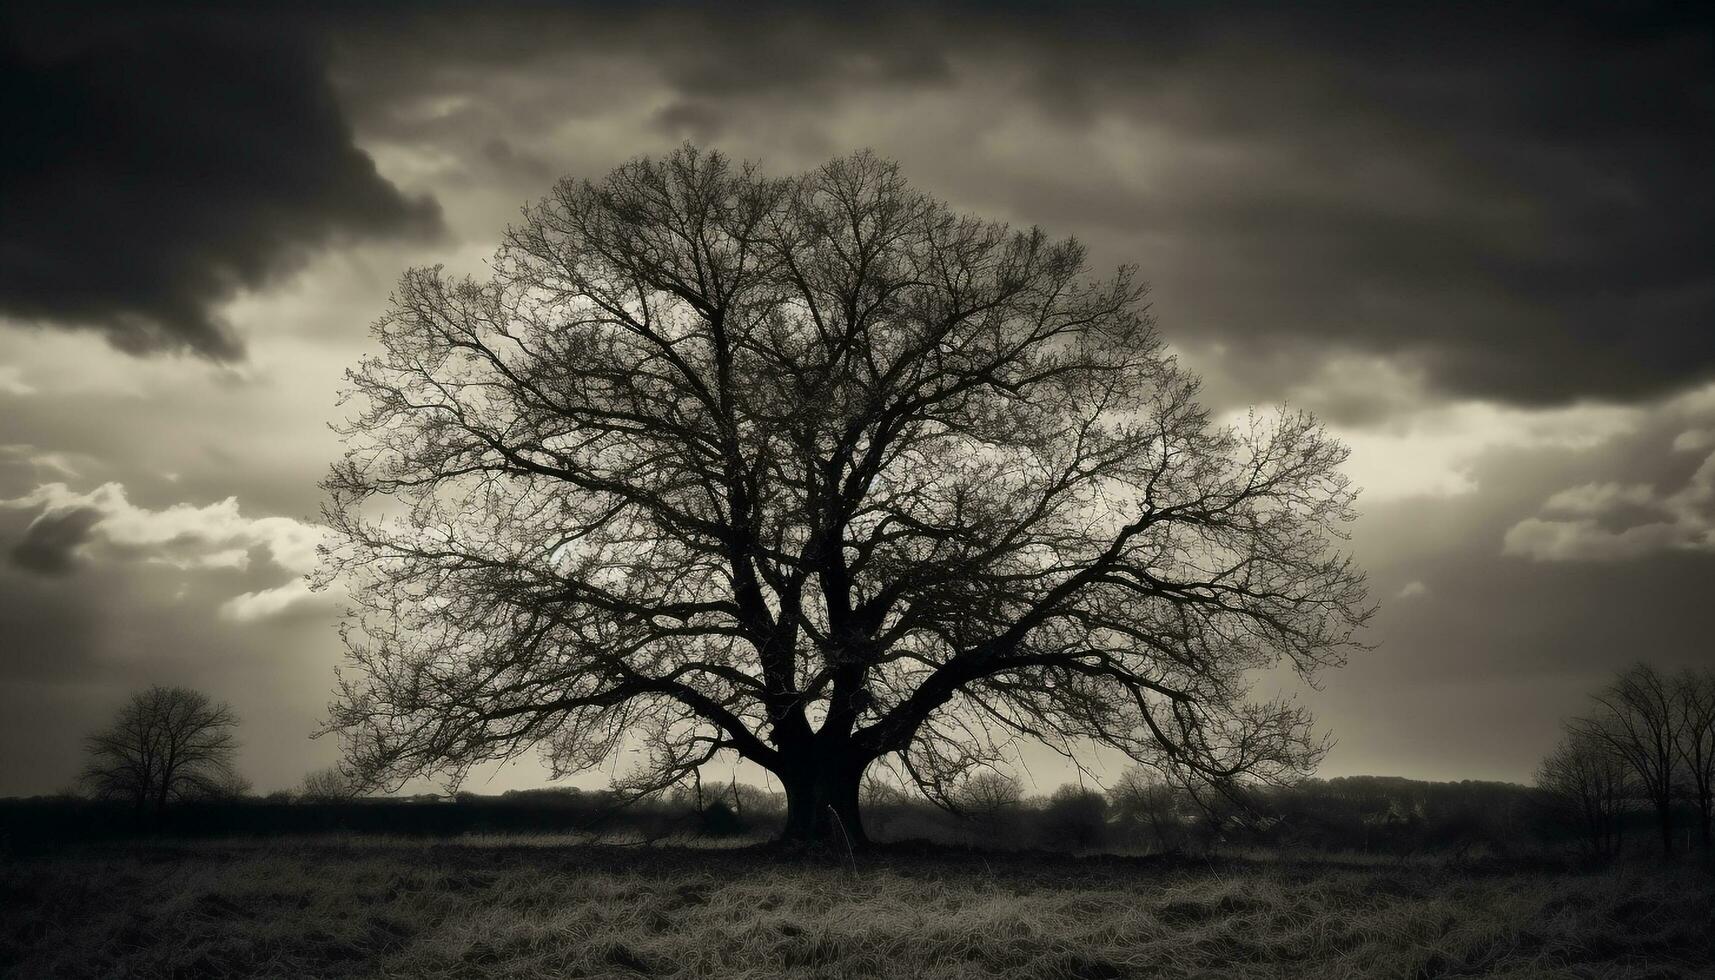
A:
1477, 241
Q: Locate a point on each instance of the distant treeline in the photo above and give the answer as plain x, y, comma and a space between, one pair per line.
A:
65, 818
1371, 814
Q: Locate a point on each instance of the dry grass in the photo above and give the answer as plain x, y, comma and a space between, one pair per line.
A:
513, 908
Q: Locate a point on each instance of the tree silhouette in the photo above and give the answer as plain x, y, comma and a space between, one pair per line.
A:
328, 785
1589, 787
1149, 803
1637, 717
818, 472
167, 744
1694, 696
990, 799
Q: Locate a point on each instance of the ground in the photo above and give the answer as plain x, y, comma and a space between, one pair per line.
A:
521, 907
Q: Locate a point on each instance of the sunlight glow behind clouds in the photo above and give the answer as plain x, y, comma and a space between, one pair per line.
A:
252, 606
1432, 451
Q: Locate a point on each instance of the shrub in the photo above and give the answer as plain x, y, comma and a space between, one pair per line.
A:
1074, 818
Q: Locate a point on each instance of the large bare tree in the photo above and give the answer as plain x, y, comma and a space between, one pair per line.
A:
818, 472
166, 744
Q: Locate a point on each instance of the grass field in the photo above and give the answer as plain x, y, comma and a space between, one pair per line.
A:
546, 908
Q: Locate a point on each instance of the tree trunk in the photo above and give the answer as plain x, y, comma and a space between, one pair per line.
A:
822, 802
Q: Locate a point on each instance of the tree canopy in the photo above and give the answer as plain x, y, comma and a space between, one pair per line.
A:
1659, 730
817, 471
166, 744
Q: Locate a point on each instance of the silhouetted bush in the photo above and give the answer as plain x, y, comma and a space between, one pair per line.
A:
718, 820
1074, 818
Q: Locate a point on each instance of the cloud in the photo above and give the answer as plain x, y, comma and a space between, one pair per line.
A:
1692, 439
1433, 449
1573, 528
158, 164
1612, 520
1413, 590
22, 454
52, 540
12, 381
1510, 199
266, 603
1359, 389
72, 527
1595, 499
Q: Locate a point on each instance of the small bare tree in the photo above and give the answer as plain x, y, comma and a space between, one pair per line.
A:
817, 472
167, 744
990, 798
1151, 804
1589, 787
330, 785
1638, 718
1694, 693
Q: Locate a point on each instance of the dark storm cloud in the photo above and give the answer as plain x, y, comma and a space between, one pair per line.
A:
152, 166
50, 543
1517, 198
1513, 198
